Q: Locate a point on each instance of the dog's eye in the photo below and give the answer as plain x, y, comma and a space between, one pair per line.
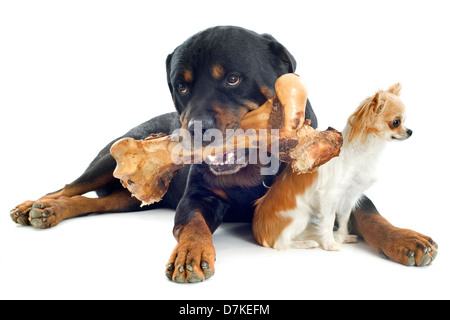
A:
233, 80
182, 88
396, 123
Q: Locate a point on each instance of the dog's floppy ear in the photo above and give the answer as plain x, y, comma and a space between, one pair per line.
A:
280, 51
395, 89
168, 69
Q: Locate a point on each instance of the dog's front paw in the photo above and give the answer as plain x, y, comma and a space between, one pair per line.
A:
191, 261
410, 248
46, 213
331, 246
41, 214
21, 213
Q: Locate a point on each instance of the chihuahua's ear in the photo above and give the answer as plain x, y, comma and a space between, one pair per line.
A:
377, 103
395, 89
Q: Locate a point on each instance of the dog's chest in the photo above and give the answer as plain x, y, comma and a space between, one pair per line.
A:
363, 177
348, 176
359, 173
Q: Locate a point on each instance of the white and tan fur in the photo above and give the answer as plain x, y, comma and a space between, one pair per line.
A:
332, 192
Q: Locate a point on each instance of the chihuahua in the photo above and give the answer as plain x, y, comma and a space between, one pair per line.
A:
299, 211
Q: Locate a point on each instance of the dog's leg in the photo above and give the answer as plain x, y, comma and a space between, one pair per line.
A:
49, 210
67, 203
97, 176
404, 246
193, 258
324, 228
46, 213
287, 238
21, 213
342, 217
198, 214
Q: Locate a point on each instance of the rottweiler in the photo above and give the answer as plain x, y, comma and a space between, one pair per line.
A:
215, 77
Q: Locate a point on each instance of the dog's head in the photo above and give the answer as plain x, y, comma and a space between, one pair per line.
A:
220, 74
382, 114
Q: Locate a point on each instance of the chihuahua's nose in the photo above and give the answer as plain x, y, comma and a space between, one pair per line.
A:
409, 132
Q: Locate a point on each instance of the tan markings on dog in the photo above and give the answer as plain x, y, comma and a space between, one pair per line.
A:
218, 71
395, 243
266, 91
188, 76
47, 212
183, 120
268, 221
251, 105
226, 118
71, 190
220, 193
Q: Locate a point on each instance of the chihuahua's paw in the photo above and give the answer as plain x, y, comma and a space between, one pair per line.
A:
331, 246
345, 238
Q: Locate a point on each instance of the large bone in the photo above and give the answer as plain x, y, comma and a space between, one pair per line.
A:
146, 167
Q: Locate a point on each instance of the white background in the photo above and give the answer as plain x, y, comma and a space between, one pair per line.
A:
76, 74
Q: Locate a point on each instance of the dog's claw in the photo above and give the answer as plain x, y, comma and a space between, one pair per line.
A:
411, 260
169, 270
180, 277
434, 254
434, 243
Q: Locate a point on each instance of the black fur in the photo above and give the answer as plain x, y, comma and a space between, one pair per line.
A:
258, 60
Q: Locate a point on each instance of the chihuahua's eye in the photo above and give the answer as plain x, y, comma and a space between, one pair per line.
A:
396, 123
233, 80
182, 88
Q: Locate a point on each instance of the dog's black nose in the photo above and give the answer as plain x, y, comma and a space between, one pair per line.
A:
198, 125
409, 132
